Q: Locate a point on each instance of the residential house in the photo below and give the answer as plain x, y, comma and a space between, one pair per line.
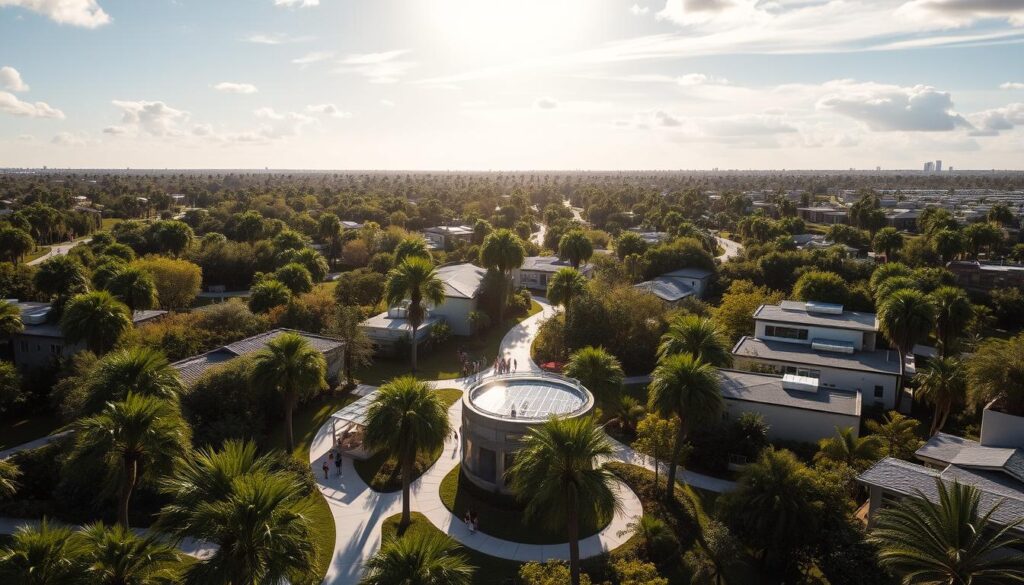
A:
825, 215
677, 285
445, 237
984, 278
536, 271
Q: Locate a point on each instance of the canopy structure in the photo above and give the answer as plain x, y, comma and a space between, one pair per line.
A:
350, 421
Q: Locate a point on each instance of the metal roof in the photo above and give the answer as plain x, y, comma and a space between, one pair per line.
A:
357, 411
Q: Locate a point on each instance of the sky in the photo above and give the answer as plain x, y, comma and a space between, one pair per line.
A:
512, 85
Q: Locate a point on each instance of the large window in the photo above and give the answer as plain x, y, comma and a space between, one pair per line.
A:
802, 371
785, 332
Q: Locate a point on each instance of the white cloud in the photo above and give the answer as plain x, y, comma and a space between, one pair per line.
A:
11, 80
388, 103
382, 67
328, 110
700, 79
84, 13
146, 117
297, 3
1012, 85
10, 104
662, 118
638, 10
276, 39
26, 138
992, 122
313, 57
231, 87
961, 12
887, 108
280, 124
546, 103
69, 139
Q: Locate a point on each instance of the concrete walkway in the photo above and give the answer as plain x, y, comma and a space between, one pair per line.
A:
58, 250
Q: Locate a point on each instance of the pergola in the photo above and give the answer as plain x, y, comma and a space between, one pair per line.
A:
350, 421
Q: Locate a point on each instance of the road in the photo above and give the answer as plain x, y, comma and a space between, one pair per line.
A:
59, 250
732, 249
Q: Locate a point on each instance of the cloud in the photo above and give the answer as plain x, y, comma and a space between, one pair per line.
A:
694, 11
9, 103
546, 103
297, 3
26, 138
69, 139
382, 67
638, 10
84, 13
280, 124
960, 12
887, 108
388, 103
328, 110
992, 122
1012, 85
313, 57
230, 87
146, 117
11, 80
691, 79
662, 118
275, 38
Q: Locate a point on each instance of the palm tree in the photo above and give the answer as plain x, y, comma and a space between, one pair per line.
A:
628, 413
429, 559
887, 240
410, 247
9, 474
503, 251
138, 369
135, 438
414, 279
688, 388
953, 312
96, 318
897, 433
697, 336
943, 383
117, 556
596, 369
905, 318
293, 368
405, 419
133, 287
845, 447
575, 247
358, 347
997, 374
556, 473
565, 285
948, 540
262, 529
42, 556
10, 319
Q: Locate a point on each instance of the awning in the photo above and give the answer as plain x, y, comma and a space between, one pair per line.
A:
356, 412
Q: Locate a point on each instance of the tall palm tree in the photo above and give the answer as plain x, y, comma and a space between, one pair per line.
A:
997, 373
262, 529
417, 559
135, 288
845, 447
97, 318
405, 419
416, 280
697, 336
293, 368
410, 247
117, 556
887, 240
42, 556
10, 319
503, 251
135, 438
905, 318
948, 540
575, 247
565, 285
943, 383
897, 433
953, 312
688, 388
9, 474
628, 413
598, 370
144, 371
557, 474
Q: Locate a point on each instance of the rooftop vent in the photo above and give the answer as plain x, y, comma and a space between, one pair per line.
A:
832, 345
799, 383
824, 308
37, 317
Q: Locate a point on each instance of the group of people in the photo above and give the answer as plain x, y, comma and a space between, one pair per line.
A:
471, 520
470, 367
504, 365
333, 458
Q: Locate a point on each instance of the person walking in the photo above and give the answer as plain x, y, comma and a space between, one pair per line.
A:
338, 464
515, 364
326, 469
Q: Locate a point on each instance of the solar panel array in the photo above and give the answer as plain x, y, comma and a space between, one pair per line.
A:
531, 399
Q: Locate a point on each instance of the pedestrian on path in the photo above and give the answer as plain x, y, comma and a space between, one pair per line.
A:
338, 464
515, 364
326, 469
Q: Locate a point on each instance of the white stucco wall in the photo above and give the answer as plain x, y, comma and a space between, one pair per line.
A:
456, 312
794, 424
847, 335
999, 429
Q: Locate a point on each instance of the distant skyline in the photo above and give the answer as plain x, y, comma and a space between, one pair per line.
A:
529, 84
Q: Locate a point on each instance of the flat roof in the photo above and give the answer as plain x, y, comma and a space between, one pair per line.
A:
382, 321
768, 389
796, 312
881, 361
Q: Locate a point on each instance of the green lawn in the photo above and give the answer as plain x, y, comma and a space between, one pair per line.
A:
20, 430
323, 535
38, 252
382, 474
110, 222
442, 362
501, 515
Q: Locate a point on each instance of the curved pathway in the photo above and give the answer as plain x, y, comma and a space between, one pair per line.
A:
359, 512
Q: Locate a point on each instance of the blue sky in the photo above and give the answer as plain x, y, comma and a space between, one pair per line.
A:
530, 84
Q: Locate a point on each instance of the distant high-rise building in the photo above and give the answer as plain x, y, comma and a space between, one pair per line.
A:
929, 167
938, 166
878, 168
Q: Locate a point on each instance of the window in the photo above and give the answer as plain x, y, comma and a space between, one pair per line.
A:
55, 349
879, 392
785, 332
803, 372
487, 463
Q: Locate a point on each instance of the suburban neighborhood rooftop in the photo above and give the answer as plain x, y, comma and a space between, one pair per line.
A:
812, 314
769, 389
886, 362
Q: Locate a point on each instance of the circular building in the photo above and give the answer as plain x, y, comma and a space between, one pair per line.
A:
498, 412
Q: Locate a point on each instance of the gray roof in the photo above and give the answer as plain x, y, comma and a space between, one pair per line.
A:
381, 321
882, 361
908, 479
767, 389
666, 289
550, 264
965, 453
52, 328
796, 312
191, 369
450, 230
461, 280
698, 273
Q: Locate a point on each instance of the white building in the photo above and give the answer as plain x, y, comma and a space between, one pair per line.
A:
444, 237
536, 271
823, 342
677, 285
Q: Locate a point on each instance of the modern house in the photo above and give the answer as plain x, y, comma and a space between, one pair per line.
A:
193, 368
536, 271
984, 278
823, 342
826, 215
677, 285
795, 407
994, 465
444, 237
463, 284
42, 343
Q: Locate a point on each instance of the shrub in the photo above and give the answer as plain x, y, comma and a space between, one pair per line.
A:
440, 333
224, 405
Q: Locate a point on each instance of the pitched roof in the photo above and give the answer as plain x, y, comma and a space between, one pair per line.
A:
667, 289
550, 264
461, 281
866, 361
968, 454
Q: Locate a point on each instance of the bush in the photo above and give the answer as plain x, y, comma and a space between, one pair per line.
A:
1008, 307
440, 333
519, 303
223, 404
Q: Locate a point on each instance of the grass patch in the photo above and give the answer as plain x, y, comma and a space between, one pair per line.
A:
39, 252
442, 362
382, 474
502, 516
14, 432
489, 570
323, 537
